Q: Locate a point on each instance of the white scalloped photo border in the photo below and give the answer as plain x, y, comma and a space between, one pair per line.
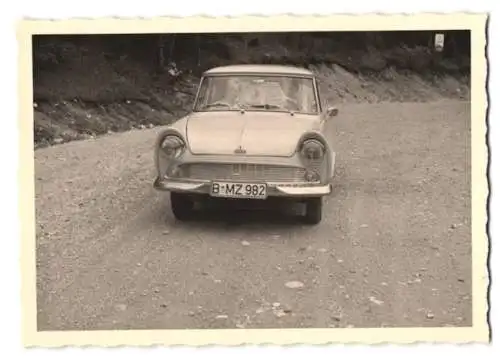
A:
476, 23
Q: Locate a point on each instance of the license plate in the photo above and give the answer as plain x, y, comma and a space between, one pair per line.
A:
241, 190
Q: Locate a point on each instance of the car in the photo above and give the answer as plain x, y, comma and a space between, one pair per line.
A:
254, 132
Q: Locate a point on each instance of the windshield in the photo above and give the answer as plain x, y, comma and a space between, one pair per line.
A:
257, 93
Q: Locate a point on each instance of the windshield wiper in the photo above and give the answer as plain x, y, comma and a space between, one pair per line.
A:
265, 106
272, 106
218, 104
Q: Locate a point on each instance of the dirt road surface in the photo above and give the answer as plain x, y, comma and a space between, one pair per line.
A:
394, 248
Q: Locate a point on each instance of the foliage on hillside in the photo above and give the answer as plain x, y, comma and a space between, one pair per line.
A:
89, 85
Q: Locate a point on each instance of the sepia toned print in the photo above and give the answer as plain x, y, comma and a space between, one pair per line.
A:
235, 187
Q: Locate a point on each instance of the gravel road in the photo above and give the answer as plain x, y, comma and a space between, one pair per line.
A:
394, 248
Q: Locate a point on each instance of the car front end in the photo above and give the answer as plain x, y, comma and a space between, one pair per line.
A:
306, 173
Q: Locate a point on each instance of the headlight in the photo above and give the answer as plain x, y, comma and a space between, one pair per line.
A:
312, 150
172, 146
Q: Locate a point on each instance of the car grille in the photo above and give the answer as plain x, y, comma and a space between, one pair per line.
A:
243, 172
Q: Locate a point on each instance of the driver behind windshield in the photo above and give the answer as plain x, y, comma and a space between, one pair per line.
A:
265, 94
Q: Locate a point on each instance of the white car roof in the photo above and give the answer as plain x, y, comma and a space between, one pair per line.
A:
259, 69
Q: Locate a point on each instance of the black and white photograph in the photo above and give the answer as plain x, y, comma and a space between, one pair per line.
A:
265, 180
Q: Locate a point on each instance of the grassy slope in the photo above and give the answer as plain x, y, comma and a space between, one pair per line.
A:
89, 95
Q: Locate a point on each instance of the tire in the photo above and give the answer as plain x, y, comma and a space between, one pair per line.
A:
182, 206
314, 210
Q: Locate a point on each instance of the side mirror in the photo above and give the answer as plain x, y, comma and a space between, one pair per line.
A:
332, 112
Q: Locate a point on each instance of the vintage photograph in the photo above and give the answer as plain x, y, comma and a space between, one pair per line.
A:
254, 180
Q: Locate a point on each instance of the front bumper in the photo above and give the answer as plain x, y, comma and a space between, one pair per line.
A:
273, 190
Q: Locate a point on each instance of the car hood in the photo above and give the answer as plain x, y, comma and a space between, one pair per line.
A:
258, 133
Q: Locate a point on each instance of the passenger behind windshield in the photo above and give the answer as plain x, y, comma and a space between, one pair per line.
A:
278, 93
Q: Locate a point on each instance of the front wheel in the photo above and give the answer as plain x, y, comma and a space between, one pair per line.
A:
314, 208
182, 206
